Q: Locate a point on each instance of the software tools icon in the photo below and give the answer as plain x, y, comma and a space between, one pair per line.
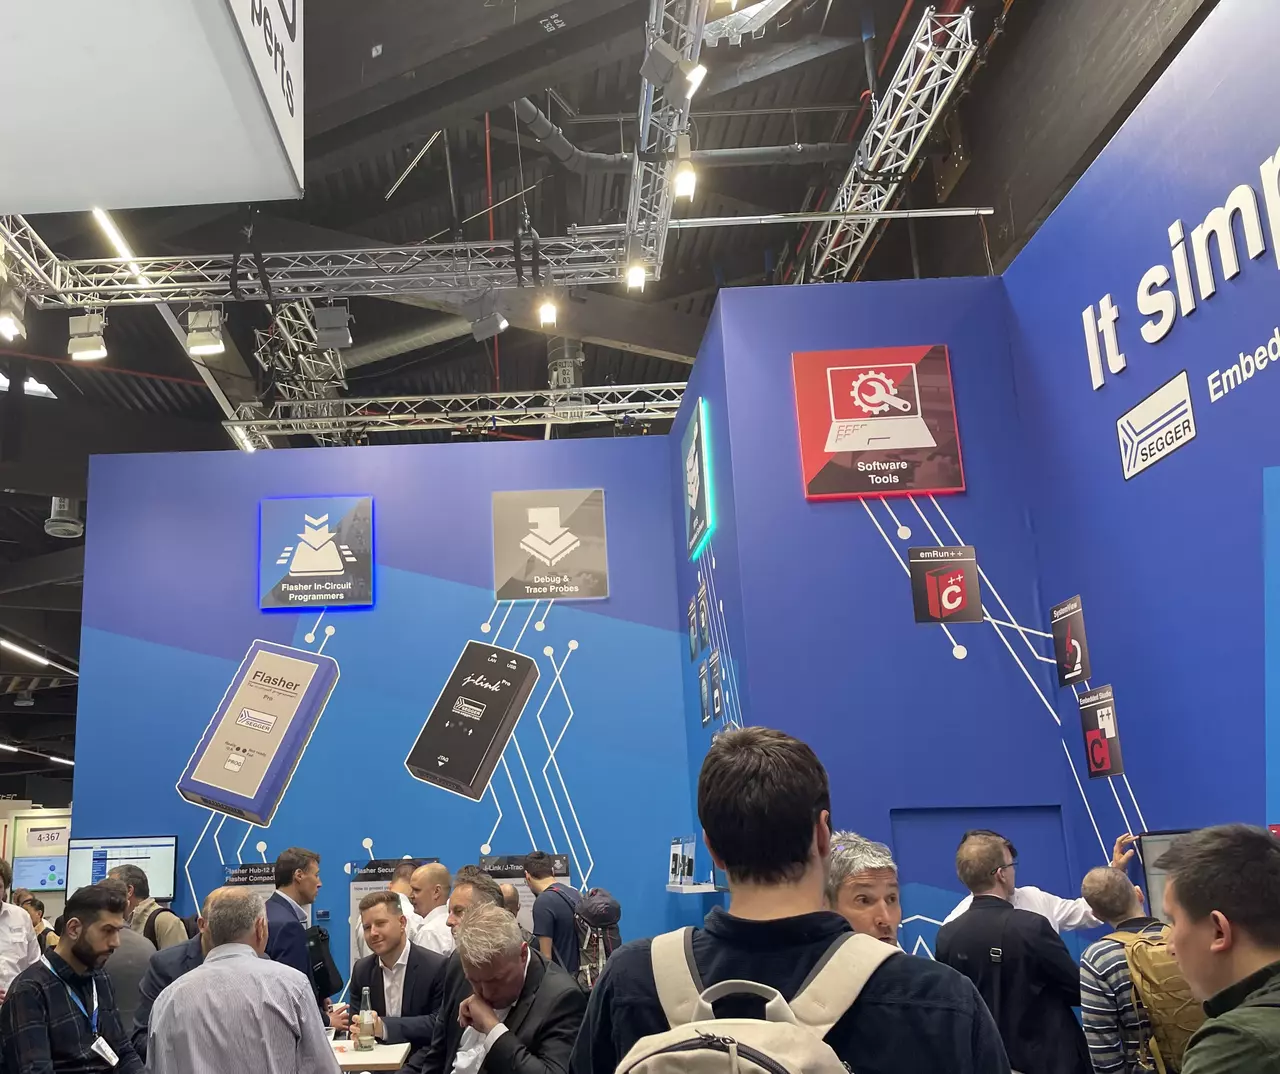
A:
876, 408
547, 540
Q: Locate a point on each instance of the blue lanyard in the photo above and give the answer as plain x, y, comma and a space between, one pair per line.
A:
93, 1018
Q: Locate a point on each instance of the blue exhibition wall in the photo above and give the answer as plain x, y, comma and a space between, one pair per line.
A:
1171, 562
922, 739
598, 765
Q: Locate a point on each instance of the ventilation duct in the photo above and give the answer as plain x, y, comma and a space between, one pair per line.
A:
64, 519
553, 140
440, 330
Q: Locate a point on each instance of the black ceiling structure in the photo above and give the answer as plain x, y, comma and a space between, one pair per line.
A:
1052, 80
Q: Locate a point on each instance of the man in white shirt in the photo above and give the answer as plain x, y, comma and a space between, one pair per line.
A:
18, 945
405, 981
1062, 914
431, 885
238, 1011
413, 922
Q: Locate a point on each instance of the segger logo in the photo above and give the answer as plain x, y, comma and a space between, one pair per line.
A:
1163, 422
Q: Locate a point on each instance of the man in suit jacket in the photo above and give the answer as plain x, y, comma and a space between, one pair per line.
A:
1018, 963
405, 982
297, 884
506, 1009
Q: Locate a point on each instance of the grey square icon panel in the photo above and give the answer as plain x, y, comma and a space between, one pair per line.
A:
550, 544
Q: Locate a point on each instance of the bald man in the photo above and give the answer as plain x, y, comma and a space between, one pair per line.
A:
429, 890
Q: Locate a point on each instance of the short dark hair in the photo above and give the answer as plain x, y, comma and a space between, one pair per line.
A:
486, 887
33, 901
538, 864
760, 792
290, 861
389, 899
404, 871
133, 877
979, 858
89, 903
6, 873
1234, 869
987, 831
467, 874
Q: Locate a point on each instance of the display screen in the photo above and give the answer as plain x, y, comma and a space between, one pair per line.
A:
1151, 845
47, 873
89, 860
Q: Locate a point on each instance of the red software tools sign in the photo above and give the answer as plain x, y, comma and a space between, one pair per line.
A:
877, 422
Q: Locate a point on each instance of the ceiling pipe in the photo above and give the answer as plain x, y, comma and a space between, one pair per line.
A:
552, 139
410, 339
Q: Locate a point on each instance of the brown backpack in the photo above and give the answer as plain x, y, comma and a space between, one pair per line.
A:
1172, 1011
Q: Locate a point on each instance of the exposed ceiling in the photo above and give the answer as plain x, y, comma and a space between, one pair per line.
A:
384, 75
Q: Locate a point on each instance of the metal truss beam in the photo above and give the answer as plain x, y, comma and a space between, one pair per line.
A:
380, 271
300, 371
662, 119
930, 71
352, 418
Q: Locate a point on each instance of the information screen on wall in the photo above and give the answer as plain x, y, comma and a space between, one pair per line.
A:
550, 544
699, 499
315, 553
877, 422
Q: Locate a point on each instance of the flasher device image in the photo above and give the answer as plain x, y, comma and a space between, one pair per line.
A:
473, 719
260, 730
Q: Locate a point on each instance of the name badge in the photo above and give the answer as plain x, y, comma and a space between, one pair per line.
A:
101, 1048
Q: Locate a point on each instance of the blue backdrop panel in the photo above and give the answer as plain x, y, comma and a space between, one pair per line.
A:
835, 655
598, 765
1169, 563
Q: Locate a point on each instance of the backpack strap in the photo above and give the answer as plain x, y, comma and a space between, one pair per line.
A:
149, 929
838, 978
675, 974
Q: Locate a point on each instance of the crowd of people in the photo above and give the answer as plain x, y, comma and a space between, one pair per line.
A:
805, 957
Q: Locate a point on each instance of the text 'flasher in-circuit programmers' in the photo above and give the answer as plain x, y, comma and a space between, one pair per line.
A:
257, 736
473, 719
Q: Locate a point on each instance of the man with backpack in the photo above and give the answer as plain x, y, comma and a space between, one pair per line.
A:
777, 980
1136, 1007
1222, 899
553, 906
147, 917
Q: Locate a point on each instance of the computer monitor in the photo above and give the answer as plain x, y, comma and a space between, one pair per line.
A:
1151, 845
89, 860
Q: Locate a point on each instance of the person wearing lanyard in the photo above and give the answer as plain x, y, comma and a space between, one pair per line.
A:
60, 1014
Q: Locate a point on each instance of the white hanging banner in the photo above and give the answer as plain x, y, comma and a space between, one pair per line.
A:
272, 35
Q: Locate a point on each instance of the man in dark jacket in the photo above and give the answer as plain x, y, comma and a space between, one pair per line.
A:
506, 1009
1020, 965
405, 981
764, 803
1222, 900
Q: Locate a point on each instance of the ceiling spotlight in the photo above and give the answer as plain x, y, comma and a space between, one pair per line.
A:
636, 272
204, 333
664, 66
685, 179
243, 440
547, 313
333, 326
13, 305
24, 700
84, 340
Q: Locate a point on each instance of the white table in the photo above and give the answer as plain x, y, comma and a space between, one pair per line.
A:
381, 1057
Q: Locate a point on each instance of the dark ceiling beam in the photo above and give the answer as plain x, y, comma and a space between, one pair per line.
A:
568, 53
45, 598
65, 565
734, 69
57, 633
59, 435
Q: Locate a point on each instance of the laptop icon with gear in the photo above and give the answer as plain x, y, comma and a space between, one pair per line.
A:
876, 408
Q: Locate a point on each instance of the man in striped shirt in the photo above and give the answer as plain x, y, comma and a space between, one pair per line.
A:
1115, 1023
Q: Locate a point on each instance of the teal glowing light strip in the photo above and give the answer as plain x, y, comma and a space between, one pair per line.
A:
706, 473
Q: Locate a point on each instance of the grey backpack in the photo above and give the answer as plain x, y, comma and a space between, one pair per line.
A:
788, 1040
